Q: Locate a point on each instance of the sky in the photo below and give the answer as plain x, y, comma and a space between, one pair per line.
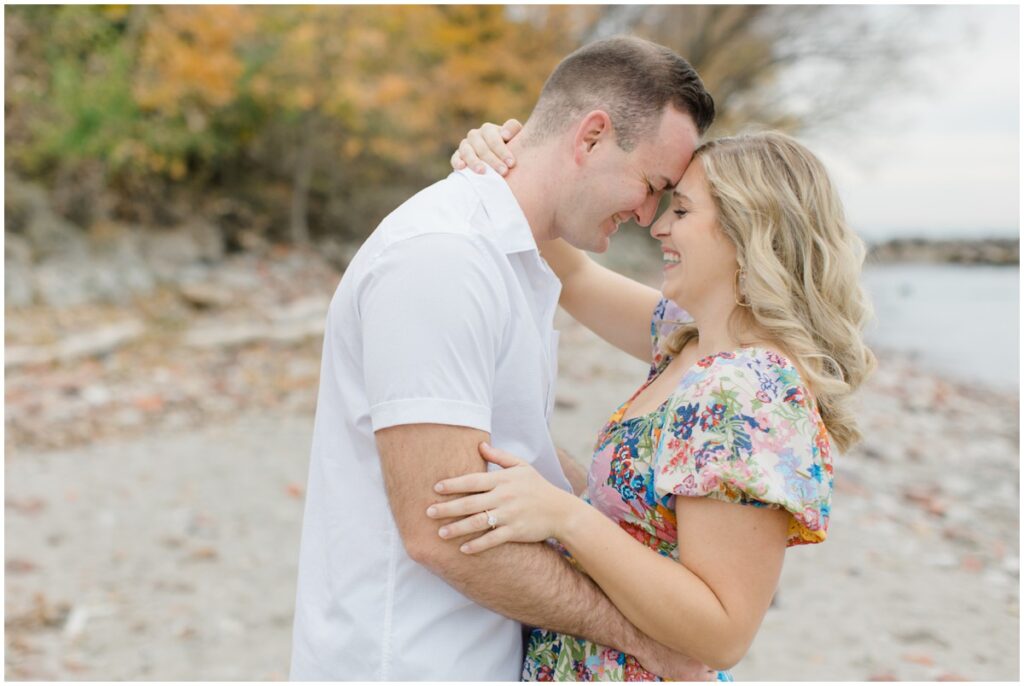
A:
945, 160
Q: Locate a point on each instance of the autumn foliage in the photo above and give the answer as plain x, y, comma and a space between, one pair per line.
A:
308, 121
331, 110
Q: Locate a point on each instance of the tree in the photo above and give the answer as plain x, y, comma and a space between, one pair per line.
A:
796, 68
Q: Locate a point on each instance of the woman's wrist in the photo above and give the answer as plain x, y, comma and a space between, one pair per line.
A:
571, 510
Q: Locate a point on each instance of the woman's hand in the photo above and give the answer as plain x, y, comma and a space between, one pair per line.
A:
523, 506
486, 145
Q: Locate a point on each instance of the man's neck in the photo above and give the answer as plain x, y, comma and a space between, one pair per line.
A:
532, 183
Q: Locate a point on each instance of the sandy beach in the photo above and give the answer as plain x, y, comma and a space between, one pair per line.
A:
154, 493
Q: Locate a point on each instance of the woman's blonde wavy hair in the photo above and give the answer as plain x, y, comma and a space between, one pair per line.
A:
802, 265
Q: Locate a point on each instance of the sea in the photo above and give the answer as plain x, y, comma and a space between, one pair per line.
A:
960, 320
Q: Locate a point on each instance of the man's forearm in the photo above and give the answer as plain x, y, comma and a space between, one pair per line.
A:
533, 584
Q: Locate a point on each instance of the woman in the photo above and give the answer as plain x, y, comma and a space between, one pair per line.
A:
723, 457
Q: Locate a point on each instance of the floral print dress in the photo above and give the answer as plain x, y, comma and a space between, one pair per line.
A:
740, 427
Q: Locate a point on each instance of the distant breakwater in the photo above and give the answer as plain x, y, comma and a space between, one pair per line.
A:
991, 251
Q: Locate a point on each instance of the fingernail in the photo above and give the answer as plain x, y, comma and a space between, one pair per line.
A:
443, 533
502, 170
431, 511
479, 170
505, 133
438, 487
509, 161
465, 548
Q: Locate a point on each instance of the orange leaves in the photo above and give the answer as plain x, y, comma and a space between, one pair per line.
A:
191, 53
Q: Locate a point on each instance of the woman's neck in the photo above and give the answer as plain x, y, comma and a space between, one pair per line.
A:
718, 330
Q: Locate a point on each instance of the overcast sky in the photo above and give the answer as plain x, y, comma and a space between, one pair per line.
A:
947, 163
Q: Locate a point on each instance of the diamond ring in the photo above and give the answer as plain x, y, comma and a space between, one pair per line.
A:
492, 521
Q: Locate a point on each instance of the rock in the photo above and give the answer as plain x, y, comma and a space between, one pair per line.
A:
119, 271
208, 238
18, 289
17, 565
304, 309
63, 281
337, 253
168, 253
96, 342
972, 563
75, 624
226, 335
27, 211
206, 294
25, 506
922, 659
16, 249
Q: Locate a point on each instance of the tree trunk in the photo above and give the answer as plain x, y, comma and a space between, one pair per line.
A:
300, 186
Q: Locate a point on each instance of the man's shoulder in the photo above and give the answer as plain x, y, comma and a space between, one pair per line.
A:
441, 221
445, 207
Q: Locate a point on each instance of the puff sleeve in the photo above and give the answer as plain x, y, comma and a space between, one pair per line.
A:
665, 319
742, 428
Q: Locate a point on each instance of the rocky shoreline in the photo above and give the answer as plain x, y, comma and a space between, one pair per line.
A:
989, 251
51, 262
152, 490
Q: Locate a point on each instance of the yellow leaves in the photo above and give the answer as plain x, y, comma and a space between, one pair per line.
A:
190, 52
116, 12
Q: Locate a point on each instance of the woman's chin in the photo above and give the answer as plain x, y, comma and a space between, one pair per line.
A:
669, 292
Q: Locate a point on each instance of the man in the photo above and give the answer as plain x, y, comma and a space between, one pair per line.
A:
440, 337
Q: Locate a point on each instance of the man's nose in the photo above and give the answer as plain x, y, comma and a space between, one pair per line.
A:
645, 213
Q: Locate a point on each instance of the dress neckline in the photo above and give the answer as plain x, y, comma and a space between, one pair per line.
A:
620, 415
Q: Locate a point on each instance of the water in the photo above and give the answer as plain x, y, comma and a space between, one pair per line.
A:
960, 320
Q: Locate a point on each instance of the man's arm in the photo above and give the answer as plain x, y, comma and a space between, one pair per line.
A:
530, 583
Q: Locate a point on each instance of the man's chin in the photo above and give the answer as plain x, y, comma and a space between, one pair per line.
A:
594, 244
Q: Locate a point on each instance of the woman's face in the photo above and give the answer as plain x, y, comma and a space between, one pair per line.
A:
699, 259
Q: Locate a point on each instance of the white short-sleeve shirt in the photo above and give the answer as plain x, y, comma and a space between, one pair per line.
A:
444, 316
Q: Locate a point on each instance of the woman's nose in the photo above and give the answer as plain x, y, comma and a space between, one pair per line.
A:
656, 227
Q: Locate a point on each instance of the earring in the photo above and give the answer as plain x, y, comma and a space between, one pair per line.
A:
741, 276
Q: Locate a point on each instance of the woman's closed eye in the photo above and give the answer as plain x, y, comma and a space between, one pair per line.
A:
680, 212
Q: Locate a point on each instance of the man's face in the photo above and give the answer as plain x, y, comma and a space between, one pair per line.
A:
614, 186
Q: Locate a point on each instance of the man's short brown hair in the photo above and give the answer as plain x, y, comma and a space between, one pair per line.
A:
629, 78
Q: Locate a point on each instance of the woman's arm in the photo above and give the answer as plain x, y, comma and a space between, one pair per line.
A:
708, 605
615, 307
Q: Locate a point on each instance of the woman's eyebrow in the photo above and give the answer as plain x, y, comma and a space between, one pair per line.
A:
681, 197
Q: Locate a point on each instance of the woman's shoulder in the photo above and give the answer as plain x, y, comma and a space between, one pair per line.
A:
756, 369
665, 319
743, 428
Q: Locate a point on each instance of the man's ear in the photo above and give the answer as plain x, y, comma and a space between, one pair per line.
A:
596, 127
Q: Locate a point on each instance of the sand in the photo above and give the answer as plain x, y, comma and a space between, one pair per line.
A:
172, 555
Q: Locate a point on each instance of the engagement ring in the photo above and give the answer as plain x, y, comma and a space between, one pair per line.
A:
492, 521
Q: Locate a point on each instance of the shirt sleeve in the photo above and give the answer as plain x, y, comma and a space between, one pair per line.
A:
432, 311
747, 432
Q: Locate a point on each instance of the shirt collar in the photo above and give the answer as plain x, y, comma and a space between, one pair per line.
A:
511, 230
